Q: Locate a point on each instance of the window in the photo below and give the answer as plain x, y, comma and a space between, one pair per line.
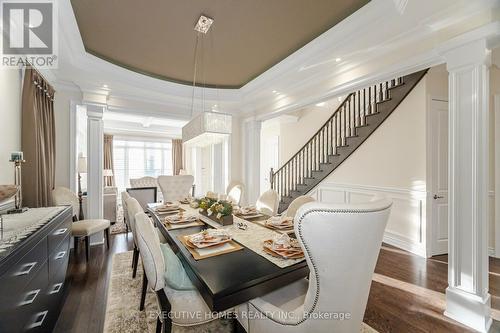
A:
135, 158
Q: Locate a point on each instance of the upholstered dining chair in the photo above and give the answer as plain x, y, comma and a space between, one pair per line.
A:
175, 188
234, 192
341, 243
82, 228
184, 308
134, 207
144, 182
268, 202
296, 204
125, 196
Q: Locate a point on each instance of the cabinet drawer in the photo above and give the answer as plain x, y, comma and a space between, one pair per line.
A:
58, 234
21, 306
21, 273
59, 257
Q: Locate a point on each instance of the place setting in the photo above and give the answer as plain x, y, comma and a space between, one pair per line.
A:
283, 246
209, 243
168, 208
248, 213
181, 220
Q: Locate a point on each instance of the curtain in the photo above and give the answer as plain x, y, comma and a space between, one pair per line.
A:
176, 156
38, 140
108, 159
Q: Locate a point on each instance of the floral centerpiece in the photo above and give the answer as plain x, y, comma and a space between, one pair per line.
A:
220, 211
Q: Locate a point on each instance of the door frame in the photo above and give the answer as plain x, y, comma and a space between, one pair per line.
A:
496, 101
430, 177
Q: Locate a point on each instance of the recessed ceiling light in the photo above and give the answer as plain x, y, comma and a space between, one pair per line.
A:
321, 104
339, 98
275, 92
338, 59
203, 25
105, 86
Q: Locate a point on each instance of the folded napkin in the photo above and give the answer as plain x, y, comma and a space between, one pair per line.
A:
178, 218
209, 237
247, 210
285, 242
280, 221
167, 207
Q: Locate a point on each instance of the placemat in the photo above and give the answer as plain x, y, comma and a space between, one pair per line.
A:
183, 225
211, 251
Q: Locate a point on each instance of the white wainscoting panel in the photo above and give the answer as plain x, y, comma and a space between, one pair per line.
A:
406, 226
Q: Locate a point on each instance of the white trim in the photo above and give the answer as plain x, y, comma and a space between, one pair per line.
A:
497, 174
72, 145
344, 193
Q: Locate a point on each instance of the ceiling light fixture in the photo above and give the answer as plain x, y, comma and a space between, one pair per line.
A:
321, 104
338, 59
105, 86
203, 25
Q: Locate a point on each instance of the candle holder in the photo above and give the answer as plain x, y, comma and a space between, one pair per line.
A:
17, 159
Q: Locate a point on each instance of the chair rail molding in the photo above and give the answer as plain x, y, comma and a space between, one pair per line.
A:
467, 297
406, 226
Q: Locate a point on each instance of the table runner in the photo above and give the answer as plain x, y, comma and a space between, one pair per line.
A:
251, 238
17, 227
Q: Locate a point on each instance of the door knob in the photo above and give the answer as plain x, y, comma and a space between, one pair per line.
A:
437, 196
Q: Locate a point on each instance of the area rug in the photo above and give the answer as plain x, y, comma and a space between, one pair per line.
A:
122, 304
119, 226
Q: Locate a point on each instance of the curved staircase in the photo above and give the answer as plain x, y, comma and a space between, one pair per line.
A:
357, 117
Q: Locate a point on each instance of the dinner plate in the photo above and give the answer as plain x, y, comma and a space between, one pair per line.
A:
285, 253
209, 244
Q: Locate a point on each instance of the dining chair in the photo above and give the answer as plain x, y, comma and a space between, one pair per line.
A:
133, 207
144, 195
268, 202
125, 196
82, 228
175, 188
296, 204
341, 243
234, 192
185, 308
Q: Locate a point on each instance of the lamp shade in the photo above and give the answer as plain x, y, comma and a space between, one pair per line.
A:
82, 164
107, 173
207, 127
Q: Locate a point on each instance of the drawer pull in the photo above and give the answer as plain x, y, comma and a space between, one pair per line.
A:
40, 317
60, 255
56, 288
26, 268
30, 297
61, 231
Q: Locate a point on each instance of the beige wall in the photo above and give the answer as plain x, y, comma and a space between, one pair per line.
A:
10, 124
62, 118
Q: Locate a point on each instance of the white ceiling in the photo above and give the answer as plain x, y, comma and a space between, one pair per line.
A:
379, 41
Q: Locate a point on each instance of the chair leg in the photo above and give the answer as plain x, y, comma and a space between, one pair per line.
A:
158, 325
144, 289
87, 247
75, 244
106, 233
136, 262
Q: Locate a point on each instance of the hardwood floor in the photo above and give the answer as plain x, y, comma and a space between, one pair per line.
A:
407, 292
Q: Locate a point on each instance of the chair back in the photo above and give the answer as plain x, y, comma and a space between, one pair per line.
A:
125, 196
144, 195
175, 188
64, 196
144, 182
133, 207
234, 192
341, 244
296, 204
268, 203
150, 251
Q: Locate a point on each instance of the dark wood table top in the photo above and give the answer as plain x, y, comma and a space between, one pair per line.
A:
233, 278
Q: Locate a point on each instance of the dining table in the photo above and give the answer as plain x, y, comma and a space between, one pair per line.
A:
230, 279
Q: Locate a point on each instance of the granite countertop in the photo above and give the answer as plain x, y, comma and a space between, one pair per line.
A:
18, 227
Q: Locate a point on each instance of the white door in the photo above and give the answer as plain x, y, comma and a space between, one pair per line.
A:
439, 175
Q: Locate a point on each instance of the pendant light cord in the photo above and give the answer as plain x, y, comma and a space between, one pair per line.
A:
195, 66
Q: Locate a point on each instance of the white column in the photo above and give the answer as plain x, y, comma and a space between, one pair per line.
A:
95, 156
251, 166
467, 297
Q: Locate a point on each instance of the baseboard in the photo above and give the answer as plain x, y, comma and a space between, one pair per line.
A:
491, 251
404, 243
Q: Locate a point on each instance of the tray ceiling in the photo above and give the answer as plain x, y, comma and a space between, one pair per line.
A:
156, 37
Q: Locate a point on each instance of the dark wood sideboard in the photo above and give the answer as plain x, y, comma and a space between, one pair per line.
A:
32, 277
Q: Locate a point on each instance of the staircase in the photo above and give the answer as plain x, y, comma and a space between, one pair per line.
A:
351, 124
